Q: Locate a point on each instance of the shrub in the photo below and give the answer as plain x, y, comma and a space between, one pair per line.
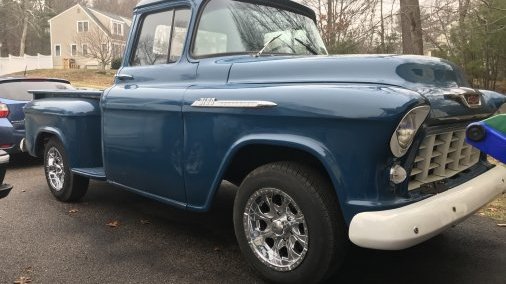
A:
116, 63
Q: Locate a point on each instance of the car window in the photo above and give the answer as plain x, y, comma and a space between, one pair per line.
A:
154, 39
230, 27
181, 22
160, 33
19, 90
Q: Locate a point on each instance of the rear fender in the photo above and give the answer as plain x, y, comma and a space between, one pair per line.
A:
38, 146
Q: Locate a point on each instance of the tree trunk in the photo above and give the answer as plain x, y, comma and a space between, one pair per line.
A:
22, 43
382, 35
330, 25
411, 26
462, 33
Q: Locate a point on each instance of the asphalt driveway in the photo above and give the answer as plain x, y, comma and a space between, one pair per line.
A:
53, 242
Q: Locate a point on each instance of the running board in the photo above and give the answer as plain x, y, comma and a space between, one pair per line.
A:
93, 173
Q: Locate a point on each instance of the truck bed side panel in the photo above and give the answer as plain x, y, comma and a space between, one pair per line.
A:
75, 121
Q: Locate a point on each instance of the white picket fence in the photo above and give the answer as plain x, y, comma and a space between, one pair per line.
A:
13, 64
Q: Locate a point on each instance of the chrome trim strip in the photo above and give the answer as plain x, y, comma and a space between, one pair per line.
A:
465, 117
213, 102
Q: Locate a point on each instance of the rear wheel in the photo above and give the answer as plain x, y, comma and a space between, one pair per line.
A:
64, 185
288, 223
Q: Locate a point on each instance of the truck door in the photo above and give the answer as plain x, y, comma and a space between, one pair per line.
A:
142, 119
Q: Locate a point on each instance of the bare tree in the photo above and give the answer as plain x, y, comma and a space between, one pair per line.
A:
345, 24
99, 46
411, 25
26, 12
119, 7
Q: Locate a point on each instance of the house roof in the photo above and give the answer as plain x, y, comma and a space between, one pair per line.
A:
112, 16
92, 15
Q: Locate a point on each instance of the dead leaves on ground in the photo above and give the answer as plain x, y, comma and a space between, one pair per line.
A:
23, 280
113, 224
116, 223
72, 211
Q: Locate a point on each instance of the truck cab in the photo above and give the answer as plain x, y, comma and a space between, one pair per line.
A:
324, 149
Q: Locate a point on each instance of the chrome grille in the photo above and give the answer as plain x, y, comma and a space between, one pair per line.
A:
441, 156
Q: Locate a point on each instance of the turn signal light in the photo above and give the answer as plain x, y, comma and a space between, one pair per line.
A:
4, 111
398, 174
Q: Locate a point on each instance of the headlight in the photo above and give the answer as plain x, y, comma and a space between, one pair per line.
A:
405, 132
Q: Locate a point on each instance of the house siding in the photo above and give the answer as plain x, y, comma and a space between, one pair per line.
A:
63, 31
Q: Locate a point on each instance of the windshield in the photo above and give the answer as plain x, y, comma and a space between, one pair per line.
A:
228, 26
18, 90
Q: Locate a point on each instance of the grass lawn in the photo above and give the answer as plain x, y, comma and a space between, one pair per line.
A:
96, 79
497, 208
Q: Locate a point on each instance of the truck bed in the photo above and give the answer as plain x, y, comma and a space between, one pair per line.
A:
84, 94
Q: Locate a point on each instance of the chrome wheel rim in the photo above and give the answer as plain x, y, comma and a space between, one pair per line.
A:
55, 169
276, 229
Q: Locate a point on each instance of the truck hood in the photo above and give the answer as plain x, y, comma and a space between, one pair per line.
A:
433, 78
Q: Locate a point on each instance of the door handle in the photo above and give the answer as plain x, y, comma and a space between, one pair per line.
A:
123, 77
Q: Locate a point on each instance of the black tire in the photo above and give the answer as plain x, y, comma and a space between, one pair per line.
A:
315, 198
73, 187
3, 169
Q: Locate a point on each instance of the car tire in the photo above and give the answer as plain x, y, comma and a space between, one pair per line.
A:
64, 185
3, 169
275, 240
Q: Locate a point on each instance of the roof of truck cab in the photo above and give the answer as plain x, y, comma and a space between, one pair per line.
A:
286, 3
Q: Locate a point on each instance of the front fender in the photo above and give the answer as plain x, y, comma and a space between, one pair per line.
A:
308, 145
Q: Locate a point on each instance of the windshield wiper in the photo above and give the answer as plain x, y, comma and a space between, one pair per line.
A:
307, 46
266, 45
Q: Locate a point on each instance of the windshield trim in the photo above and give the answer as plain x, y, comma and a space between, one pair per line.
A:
282, 4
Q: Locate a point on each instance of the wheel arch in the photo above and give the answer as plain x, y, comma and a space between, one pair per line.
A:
43, 136
268, 148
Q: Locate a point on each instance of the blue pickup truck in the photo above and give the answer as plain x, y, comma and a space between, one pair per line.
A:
324, 149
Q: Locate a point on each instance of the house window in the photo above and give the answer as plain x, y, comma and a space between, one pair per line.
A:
85, 49
117, 28
57, 50
117, 50
82, 26
73, 49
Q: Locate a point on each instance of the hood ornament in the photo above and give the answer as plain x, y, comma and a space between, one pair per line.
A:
471, 98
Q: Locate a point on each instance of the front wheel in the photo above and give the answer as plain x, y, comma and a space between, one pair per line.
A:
288, 223
64, 185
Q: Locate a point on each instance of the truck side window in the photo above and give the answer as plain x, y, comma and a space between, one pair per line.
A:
181, 22
154, 39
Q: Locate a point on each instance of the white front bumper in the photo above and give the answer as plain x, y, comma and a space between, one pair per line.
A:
407, 226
